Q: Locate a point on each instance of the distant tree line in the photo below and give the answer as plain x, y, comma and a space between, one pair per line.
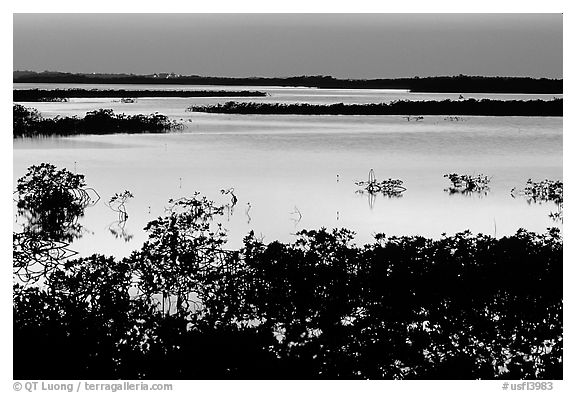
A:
185, 307
469, 107
35, 95
444, 84
29, 122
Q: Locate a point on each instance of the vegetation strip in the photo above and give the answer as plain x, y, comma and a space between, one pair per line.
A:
36, 95
470, 107
435, 84
29, 123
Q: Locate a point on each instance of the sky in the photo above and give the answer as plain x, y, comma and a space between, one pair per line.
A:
244, 45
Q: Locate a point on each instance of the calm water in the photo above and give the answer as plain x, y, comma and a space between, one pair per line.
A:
176, 106
298, 172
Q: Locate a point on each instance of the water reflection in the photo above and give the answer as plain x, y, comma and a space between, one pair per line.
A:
296, 216
118, 230
33, 257
248, 207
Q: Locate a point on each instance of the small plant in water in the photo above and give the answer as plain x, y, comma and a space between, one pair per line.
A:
415, 118
229, 207
544, 191
389, 187
230, 191
127, 100
468, 184
118, 204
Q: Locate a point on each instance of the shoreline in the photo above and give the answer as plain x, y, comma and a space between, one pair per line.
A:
434, 84
37, 95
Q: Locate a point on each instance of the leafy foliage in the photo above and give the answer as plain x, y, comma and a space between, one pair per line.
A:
24, 118
83, 323
182, 250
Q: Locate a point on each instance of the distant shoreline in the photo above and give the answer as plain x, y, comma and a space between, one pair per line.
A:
37, 95
440, 84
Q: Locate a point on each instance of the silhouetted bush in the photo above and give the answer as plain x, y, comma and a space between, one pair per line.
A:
29, 123
50, 201
184, 307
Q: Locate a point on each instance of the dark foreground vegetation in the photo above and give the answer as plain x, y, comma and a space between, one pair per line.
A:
444, 84
29, 122
185, 307
470, 107
36, 95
